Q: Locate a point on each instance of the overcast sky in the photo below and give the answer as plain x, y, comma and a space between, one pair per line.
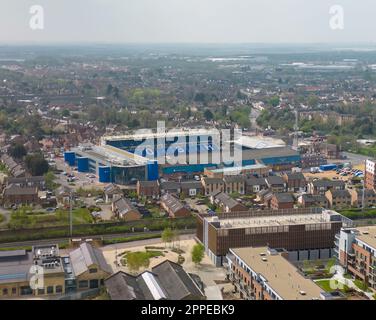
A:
192, 21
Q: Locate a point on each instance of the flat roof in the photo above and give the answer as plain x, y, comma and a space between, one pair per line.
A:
249, 167
273, 221
367, 235
279, 273
169, 133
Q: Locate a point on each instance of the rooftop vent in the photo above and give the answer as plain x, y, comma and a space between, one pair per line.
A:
303, 293
262, 254
264, 259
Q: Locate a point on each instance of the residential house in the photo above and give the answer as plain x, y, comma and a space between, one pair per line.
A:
171, 187
254, 185
35, 181
295, 182
234, 184
191, 188
357, 198
112, 192
226, 203
282, 201
124, 209
339, 199
14, 194
173, 206
276, 183
166, 281
213, 185
323, 185
148, 189
313, 200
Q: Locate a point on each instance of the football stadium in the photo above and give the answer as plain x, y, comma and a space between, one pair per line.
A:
181, 154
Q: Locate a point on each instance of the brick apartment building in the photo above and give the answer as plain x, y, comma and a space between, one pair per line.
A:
304, 233
262, 273
357, 198
370, 176
338, 199
356, 252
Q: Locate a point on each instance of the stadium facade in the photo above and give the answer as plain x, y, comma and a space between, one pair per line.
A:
177, 154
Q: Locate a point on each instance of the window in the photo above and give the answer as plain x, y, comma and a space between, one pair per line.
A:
41, 291
50, 289
14, 291
5, 292
93, 270
59, 289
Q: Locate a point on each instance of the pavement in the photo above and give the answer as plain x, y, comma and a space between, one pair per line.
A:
206, 270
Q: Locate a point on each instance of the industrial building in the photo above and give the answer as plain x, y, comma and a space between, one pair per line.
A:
178, 154
307, 234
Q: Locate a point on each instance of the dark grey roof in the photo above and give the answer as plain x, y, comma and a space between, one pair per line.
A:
213, 180
123, 286
275, 180
167, 280
284, 197
112, 189
172, 202
149, 184
191, 185
25, 180
328, 183
310, 198
175, 281
255, 182
124, 206
226, 200
17, 190
233, 178
170, 185
295, 176
340, 193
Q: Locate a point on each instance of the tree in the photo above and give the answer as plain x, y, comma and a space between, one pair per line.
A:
136, 260
50, 180
208, 115
168, 235
36, 164
198, 252
65, 113
18, 151
274, 101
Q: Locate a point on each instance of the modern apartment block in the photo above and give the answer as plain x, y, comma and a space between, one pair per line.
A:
306, 233
265, 274
356, 251
370, 176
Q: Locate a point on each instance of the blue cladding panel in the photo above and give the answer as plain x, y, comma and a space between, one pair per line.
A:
83, 164
104, 174
153, 170
70, 158
192, 168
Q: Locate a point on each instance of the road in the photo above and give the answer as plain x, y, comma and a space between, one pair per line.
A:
104, 237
